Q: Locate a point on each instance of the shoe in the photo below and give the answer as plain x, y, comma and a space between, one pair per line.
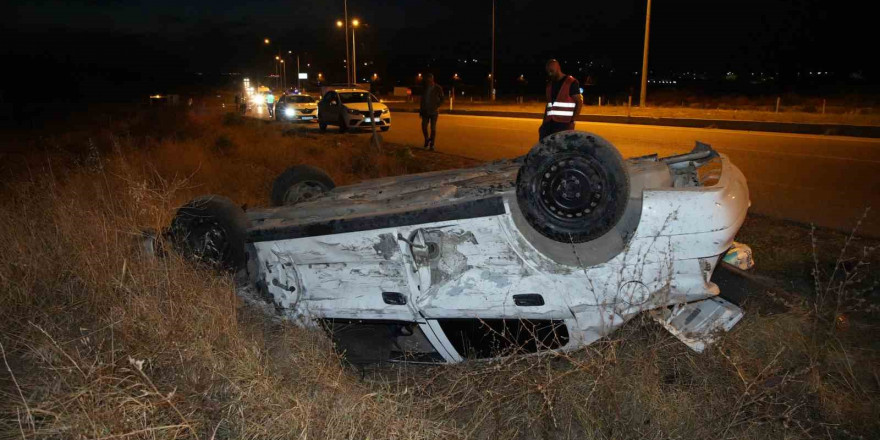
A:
431, 145
427, 144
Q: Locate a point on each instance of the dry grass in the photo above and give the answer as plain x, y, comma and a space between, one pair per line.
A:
99, 341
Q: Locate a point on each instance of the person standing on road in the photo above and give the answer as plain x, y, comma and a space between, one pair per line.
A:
270, 103
429, 109
564, 101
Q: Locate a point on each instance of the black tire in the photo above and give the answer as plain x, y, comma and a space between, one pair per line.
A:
300, 183
211, 229
342, 127
573, 187
386, 128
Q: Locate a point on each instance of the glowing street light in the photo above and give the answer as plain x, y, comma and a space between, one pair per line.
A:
339, 23
266, 41
354, 25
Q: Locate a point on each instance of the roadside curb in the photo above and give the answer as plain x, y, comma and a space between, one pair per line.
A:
866, 131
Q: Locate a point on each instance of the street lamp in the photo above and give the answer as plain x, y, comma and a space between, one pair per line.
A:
492, 75
643, 93
266, 41
354, 24
283, 75
298, 81
340, 23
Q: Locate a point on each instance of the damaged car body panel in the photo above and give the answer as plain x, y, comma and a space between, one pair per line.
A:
450, 265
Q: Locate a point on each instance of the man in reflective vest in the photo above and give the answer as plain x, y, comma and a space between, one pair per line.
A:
564, 101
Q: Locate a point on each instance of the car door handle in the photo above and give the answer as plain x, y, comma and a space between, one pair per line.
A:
528, 300
394, 298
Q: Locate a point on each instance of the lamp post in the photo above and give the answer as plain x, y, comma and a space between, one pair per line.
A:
351, 64
283, 76
344, 24
268, 42
492, 74
298, 81
278, 70
643, 93
354, 24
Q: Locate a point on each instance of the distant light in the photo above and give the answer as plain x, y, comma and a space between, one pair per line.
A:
282, 61
266, 40
355, 22
277, 57
339, 23
288, 111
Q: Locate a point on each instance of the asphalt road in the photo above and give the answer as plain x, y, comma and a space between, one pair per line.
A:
823, 180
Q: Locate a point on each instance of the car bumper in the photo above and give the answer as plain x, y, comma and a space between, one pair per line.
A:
361, 121
298, 117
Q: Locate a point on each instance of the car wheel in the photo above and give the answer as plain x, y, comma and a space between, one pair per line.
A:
573, 187
385, 128
342, 127
211, 229
298, 184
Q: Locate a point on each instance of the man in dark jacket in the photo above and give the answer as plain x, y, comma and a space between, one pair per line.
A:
432, 98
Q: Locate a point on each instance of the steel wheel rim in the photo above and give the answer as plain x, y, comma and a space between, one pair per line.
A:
572, 188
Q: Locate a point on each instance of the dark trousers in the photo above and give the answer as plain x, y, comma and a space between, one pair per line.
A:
432, 119
550, 127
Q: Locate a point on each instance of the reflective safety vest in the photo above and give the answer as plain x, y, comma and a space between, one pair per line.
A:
562, 109
270, 98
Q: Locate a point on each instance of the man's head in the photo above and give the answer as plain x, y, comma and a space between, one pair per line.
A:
554, 71
429, 79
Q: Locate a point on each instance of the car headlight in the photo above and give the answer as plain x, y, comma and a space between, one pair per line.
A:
289, 111
352, 111
384, 110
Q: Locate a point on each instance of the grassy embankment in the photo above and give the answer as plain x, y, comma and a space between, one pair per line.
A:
99, 341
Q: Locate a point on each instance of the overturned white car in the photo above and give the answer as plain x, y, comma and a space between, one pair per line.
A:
550, 251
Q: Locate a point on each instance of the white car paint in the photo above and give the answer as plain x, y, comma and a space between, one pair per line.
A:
334, 256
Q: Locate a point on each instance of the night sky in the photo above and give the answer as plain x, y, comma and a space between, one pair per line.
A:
81, 50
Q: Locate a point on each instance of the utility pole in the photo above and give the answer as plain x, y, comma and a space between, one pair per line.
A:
354, 67
298, 80
643, 95
347, 62
492, 73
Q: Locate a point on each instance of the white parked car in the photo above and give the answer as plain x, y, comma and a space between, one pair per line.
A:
350, 109
550, 251
297, 107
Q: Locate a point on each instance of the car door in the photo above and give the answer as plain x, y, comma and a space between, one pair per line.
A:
354, 275
476, 293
